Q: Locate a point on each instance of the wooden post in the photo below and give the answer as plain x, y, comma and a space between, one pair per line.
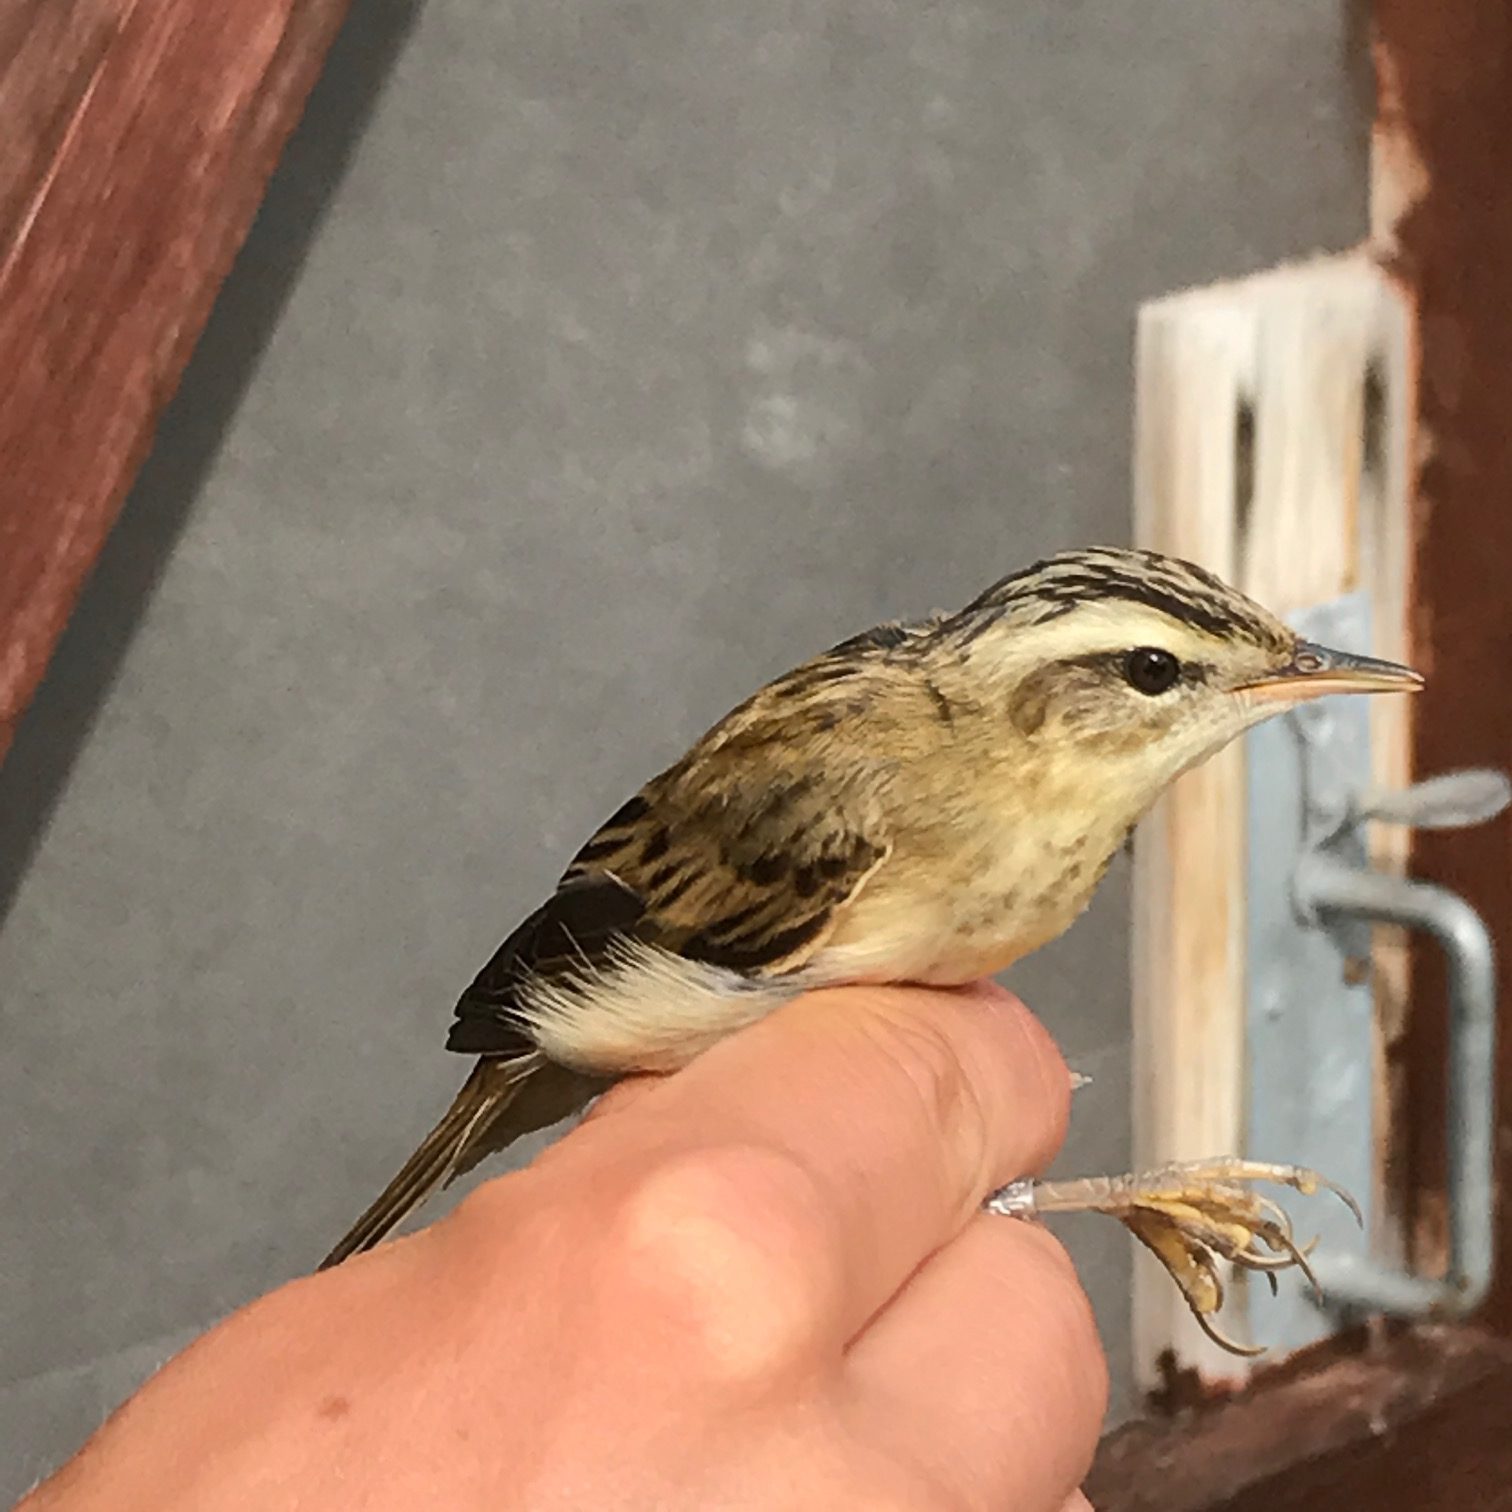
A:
1268, 411
1443, 212
135, 144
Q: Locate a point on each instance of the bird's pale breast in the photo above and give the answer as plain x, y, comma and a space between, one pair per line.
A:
969, 912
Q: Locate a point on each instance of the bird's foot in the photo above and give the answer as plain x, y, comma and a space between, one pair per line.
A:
1190, 1216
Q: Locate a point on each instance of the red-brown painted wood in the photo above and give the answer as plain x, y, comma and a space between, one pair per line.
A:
1448, 68
1418, 1422
136, 140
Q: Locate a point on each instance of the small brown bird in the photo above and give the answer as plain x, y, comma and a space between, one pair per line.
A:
925, 802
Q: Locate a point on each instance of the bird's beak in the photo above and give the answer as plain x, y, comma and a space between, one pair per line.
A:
1314, 671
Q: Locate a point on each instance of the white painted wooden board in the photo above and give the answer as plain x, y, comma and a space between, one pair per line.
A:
1272, 446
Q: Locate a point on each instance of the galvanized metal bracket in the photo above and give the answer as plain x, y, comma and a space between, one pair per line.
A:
1312, 899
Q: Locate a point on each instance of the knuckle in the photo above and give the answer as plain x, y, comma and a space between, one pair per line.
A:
720, 1243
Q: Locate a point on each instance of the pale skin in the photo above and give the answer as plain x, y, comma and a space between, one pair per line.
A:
765, 1282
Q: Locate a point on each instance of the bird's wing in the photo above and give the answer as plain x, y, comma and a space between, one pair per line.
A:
742, 856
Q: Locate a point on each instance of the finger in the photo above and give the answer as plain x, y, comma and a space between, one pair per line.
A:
888, 1114
986, 1369
1077, 1503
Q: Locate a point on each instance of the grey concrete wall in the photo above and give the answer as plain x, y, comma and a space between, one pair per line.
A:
637, 352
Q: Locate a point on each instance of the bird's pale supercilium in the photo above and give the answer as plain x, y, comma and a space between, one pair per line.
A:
925, 802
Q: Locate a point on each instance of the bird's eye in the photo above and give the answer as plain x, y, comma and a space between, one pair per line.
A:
1151, 670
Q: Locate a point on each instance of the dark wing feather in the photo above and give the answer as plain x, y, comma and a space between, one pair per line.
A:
736, 857
574, 927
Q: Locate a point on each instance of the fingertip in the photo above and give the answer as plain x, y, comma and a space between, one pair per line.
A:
1048, 1288
1040, 1080
1063, 1295
991, 1364
988, 1069
1043, 1055
1057, 1323
1000, 1090
990, 997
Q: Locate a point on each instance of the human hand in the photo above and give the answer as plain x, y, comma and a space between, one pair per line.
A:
764, 1282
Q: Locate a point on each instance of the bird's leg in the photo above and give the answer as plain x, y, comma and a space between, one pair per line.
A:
1190, 1216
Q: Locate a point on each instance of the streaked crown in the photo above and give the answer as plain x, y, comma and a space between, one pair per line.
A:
1179, 590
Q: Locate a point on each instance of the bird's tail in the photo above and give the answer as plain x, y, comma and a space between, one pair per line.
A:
455, 1144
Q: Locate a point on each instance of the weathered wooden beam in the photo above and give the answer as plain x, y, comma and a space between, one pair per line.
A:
136, 141
1416, 1422
1443, 133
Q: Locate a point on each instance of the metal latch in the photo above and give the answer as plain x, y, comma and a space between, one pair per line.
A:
1313, 897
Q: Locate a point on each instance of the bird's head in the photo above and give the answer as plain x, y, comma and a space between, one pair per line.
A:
1124, 668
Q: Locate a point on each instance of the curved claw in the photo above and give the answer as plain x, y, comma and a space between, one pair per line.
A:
1309, 1183
1223, 1340
1289, 1255
1202, 1302
1212, 1238
1192, 1214
1300, 1260
1266, 1264
1317, 1183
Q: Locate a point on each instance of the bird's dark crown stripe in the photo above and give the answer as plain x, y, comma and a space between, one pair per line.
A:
1185, 593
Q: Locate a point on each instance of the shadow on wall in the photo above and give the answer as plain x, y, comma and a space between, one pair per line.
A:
89, 657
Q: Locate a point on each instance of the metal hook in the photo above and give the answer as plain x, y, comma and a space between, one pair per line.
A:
1312, 900
1360, 1282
